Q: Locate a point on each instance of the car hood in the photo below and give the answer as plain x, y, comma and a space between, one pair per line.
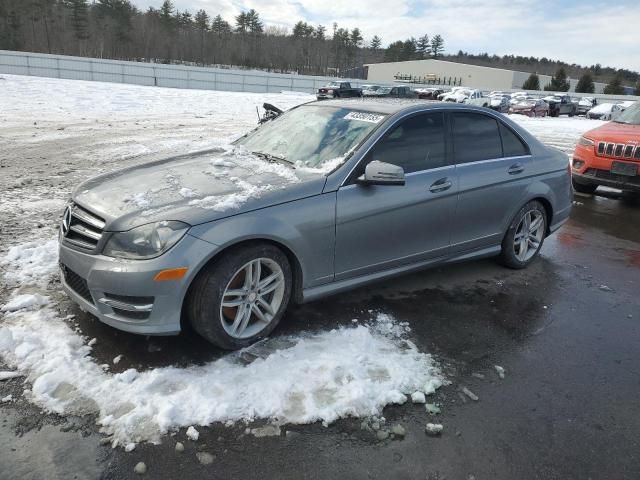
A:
194, 188
614, 132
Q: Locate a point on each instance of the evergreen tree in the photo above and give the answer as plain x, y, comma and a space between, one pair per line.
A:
376, 43
242, 23
637, 89
220, 26
559, 82
166, 15
424, 46
79, 18
356, 38
614, 87
585, 84
437, 46
254, 24
532, 83
320, 32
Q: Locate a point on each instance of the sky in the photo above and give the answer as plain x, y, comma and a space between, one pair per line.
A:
584, 32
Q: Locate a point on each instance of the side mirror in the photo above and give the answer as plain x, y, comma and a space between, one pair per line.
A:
380, 173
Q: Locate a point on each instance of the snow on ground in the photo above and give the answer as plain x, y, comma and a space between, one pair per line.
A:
56, 133
321, 377
559, 132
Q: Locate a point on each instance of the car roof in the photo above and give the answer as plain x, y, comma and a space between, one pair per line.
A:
387, 105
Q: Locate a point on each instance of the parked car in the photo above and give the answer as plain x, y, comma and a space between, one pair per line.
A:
338, 90
370, 90
275, 218
625, 105
400, 91
517, 96
532, 107
467, 95
499, 102
585, 104
448, 92
609, 155
429, 93
604, 111
561, 105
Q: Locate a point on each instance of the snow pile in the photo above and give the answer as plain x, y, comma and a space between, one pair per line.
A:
31, 263
322, 377
28, 301
559, 132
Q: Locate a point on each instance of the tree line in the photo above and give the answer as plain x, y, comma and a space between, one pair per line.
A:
116, 29
560, 83
546, 66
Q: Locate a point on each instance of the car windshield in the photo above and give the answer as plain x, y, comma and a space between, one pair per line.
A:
373, 87
384, 89
630, 116
333, 85
311, 135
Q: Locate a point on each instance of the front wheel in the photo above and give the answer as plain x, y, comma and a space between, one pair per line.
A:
523, 240
241, 297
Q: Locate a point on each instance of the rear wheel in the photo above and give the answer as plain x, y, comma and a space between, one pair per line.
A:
524, 238
583, 187
241, 297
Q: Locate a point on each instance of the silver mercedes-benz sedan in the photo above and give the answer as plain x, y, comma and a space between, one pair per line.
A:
326, 197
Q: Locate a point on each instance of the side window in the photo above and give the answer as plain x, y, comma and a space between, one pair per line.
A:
418, 143
511, 143
475, 137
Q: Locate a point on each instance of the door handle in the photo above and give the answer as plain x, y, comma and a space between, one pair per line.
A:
515, 169
440, 185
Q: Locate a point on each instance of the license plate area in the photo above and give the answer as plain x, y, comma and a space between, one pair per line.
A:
623, 168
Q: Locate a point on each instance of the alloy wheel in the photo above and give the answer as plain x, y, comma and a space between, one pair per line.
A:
252, 298
529, 235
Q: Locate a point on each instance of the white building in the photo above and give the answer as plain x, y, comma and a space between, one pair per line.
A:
475, 76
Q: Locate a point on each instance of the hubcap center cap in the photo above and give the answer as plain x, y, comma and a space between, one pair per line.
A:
252, 297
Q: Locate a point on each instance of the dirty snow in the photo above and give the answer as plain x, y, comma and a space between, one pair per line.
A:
322, 377
26, 301
31, 262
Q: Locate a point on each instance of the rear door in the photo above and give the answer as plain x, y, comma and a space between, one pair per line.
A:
492, 164
382, 227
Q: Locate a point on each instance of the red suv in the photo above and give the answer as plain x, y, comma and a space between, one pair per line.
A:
609, 155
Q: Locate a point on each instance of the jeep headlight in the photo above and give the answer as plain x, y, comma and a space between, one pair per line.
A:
584, 141
146, 241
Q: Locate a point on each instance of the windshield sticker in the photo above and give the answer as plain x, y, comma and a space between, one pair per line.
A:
364, 117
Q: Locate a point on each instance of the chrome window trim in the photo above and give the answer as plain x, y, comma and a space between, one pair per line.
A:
444, 109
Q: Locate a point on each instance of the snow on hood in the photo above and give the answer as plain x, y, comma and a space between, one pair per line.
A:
602, 108
195, 188
348, 371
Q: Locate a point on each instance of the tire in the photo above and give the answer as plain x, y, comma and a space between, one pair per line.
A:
519, 255
583, 187
228, 278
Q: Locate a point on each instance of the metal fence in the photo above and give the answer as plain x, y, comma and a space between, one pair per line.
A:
154, 74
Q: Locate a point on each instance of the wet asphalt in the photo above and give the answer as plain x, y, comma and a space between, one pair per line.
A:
566, 330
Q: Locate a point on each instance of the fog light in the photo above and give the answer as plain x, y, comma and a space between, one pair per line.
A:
577, 164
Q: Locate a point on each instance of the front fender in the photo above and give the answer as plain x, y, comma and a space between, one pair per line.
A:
306, 227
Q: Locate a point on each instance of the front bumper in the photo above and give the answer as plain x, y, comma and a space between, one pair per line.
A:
123, 294
594, 176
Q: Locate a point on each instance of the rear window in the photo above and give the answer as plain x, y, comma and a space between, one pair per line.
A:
475, 137
512, 146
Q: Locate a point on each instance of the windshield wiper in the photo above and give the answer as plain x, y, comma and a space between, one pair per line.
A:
272, 158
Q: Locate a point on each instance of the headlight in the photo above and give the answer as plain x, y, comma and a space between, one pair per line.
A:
146, 241
585, 142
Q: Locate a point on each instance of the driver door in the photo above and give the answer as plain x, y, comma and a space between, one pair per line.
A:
379, 227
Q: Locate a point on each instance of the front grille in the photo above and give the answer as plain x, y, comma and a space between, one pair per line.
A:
76, 283
81, 228
619, 150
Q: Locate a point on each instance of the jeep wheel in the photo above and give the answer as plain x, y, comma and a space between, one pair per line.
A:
241, 297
